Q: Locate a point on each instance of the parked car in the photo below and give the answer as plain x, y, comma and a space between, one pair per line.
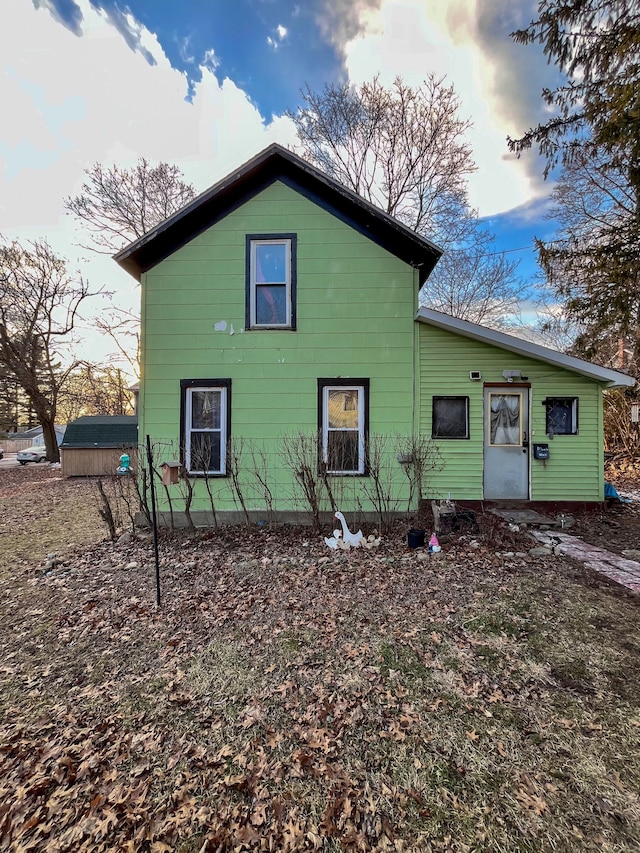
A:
32, 454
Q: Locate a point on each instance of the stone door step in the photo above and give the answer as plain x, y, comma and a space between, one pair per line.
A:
525, 516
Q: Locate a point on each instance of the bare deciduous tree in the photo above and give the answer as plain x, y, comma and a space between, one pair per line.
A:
39, 302
402, 149
91, 390
405, 150
474, 282
120, 205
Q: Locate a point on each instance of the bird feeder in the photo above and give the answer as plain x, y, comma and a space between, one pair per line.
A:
125, 464
170, 472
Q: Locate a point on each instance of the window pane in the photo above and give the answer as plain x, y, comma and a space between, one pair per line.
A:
343, 409
205, 451
450, 417
505, 419
271, 305
205, 409
562, 416
271, 262
343, 451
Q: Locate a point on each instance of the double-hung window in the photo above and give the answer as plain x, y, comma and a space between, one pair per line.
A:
271, 281
343, 416
205, 415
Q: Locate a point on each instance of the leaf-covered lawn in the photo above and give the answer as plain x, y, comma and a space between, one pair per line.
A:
290, 698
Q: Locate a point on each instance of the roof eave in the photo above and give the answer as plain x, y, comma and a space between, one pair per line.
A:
607, 377
270, 164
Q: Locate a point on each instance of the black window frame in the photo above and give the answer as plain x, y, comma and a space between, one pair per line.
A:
443, 437
357, 383
572, 403
250, 300
185, 386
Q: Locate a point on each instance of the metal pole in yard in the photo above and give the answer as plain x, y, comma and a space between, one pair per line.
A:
154, 518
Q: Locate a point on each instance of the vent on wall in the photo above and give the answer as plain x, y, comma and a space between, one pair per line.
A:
475, 375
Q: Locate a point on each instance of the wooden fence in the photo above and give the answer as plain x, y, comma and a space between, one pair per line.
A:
13, 446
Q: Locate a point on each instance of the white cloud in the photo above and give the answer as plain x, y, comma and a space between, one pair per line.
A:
74, 101
280, 33
411, 38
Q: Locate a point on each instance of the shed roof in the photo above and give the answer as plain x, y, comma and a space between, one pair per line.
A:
102, 431
277, 164
608, 377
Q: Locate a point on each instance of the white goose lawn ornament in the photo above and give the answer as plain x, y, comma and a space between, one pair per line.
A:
333, 541
353, 539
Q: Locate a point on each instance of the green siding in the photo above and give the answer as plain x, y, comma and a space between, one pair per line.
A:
355, 318
575, 468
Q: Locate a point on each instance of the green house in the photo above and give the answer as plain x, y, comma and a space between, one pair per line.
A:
283, 349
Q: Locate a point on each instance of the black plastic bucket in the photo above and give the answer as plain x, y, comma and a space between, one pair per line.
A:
415, 538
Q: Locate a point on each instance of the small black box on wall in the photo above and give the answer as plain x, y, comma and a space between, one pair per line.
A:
540, 451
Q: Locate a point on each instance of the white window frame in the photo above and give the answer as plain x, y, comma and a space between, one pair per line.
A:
189, 429
253, 284
362, 391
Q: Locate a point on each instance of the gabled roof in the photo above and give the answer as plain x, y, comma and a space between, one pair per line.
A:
102, 431
277, 164
610, 378
36, 432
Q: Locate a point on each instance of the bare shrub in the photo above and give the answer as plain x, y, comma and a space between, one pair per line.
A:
261, 473
381, 486
235, 454
419, 456
621, 435
118, 501
300, 454
106, 510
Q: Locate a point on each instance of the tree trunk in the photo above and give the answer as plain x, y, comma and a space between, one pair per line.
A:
48, 433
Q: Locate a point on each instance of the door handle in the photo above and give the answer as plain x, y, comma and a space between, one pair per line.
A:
525, 442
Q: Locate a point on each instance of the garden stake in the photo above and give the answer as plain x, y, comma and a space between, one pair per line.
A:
154, 520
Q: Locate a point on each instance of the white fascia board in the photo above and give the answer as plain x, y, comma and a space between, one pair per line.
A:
610, 378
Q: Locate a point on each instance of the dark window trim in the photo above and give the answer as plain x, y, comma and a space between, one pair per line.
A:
464, 397
202, 383
563, 399
342, 383
293, 238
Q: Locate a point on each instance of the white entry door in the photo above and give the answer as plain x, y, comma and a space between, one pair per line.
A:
506, 443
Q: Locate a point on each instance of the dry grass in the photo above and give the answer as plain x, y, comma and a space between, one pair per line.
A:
288, 698
42, 514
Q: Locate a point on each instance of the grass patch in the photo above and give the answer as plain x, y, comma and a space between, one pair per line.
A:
367, 701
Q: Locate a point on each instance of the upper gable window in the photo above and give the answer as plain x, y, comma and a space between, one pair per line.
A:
271, 281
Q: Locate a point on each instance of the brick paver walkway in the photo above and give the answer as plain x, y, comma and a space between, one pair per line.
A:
619, 569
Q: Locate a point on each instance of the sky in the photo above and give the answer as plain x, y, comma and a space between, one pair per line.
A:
204, 85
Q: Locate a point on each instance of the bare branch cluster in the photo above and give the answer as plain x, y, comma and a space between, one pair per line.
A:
401, 148
120, 205
405, 150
